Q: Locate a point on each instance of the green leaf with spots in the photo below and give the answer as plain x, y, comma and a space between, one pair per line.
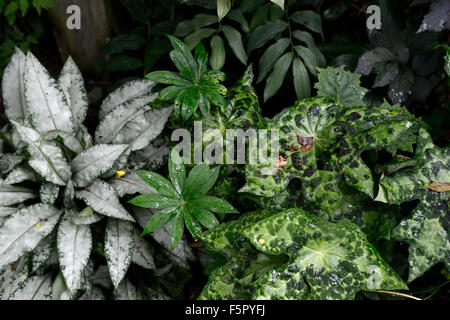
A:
427, 228
334, 259
321, 143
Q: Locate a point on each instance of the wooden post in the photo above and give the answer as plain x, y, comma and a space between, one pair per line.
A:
84, 45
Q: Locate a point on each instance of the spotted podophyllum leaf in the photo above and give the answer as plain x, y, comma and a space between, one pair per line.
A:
47, 158
321, 144
102, 197
119, 245
340, 85
125, 93
23, 230
72, 84
74, 244
427, 229
93, 162
334, 259
242, 112
45, 99
13, 91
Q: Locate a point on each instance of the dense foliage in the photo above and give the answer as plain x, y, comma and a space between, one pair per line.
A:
356, 206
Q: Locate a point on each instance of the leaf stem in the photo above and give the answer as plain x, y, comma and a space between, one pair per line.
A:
398, 294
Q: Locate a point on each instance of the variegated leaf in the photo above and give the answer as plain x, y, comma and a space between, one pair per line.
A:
21, 174
127, 92
45, 99
139, 131
93, 162
13, 87
46, 157
85, 217
48, 192
114, 121
72, 84
126, 291
23, 230
34, 288
119, 245
74, 244
141, 254
42, 253
130, 183
102, 197
10, 195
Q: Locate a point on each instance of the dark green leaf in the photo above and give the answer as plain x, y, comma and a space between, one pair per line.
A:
309, 19
168, 77
276, 78
270, 56
217, 59
161, 184
301, 79
176, 230
235, 41
213, 204
160, 219
264, 33
154, 201
177, 173
205, 217
123, 43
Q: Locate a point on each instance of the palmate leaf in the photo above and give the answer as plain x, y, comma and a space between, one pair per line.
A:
322, 144
427, 228
74, 244
335, 259
13, 87
130, 184
119, 245
22, 231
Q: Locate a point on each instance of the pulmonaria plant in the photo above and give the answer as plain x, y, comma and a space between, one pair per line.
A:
48, 237
195, 86
182, 200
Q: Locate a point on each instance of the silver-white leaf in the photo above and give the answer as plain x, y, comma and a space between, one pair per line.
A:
74, 244
13, 87
152, 156
119, 245
43, 252
21, 174
130, 183
114, 121
142, 255
47, 158
69, 140
48, 192
93, 162
72, 84
128, 91
22, 231
139, 131
126, 291
102, 197
10, 195
45, 99
11, 275
34, 288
